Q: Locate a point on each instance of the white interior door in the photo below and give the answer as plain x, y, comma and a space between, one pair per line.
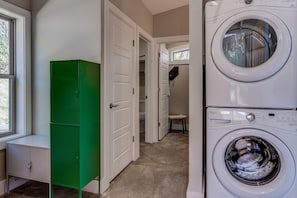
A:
121, 57
163, 91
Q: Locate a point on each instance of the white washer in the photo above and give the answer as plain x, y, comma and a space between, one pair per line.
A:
251, 153
251, 48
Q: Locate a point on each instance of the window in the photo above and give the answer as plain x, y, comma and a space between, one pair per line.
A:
181, 55
15, 72
7, 77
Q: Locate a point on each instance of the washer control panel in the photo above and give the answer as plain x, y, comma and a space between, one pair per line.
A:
272, 3
285, 119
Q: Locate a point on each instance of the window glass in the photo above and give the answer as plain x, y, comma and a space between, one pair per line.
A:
252, 160
4, 47
4, 105
249, 43
181, 55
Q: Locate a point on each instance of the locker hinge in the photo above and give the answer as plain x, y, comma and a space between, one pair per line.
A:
133, 139
133, 91
159, 124
133, 43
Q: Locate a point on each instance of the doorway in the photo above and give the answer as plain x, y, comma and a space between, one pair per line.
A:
177, 103
143, 95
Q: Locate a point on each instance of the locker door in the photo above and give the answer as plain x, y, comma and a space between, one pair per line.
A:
65, 92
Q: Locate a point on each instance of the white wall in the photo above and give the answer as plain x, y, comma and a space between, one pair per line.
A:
62, 29
179, 94
195, 187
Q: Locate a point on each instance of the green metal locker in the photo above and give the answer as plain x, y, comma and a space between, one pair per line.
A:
75, 123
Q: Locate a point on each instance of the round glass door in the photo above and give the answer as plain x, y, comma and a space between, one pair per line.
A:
249, 43
251, 46
250, 162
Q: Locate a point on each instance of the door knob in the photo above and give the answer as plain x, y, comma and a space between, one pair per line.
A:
113, 105
248, 1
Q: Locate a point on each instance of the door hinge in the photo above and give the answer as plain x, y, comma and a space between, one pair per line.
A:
133, 139
133, 91
133, 43
159, 124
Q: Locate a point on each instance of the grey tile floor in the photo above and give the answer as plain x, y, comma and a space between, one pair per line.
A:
160, 172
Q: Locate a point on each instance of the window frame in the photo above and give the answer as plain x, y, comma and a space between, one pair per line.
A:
21, 99
176, 50
10, 76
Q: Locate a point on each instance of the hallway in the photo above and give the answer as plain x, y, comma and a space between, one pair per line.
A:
160, 172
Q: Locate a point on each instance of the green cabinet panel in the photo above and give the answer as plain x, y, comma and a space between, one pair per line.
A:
64, 83
66, 154
75, 123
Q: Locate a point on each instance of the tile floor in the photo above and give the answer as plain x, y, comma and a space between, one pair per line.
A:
160, 172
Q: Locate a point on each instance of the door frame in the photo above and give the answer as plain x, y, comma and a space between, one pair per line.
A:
155, 83
148, 103
105, 164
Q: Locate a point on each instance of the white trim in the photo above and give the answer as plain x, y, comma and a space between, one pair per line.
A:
154, 73
14, 182
2, 187
23, 66
148, 77
92, 187
196, 173
172, 39
8, 138
105, 150
191, 194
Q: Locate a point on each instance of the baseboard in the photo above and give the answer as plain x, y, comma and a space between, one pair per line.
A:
2, 187
14, 183
92, 187
104, 185
194, 194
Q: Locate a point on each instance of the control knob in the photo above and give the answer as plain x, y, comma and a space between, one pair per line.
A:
248, 1
250, 117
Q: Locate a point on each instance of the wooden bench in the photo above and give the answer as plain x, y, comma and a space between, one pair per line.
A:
181, 117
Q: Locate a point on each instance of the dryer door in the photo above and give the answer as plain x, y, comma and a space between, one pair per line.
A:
253, 163
251, 46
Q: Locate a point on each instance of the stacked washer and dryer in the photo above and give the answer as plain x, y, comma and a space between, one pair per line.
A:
251, 98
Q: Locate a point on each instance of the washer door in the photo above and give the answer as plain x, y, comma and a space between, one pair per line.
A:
253, 163
251, 46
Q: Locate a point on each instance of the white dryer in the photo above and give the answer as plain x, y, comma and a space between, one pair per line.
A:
251, 53
251, 153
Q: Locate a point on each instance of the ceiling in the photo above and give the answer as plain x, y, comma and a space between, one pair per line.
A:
159, 6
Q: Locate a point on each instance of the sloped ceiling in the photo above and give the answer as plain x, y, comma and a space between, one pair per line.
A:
159, 6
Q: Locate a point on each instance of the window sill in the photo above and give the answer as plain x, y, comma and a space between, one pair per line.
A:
3, 140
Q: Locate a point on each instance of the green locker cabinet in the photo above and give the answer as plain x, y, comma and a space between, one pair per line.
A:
75, 123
